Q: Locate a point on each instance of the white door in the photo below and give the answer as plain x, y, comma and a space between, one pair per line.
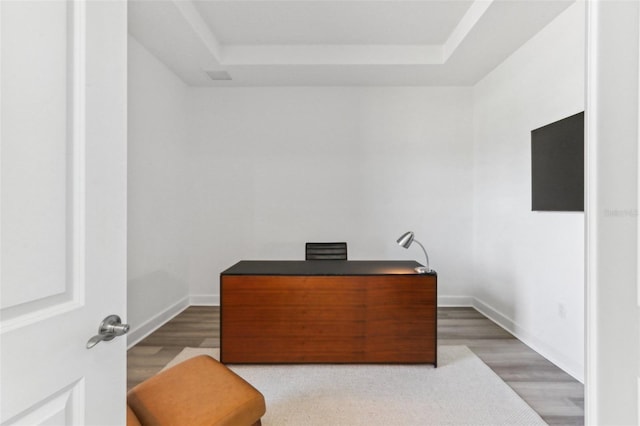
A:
612, 379
63, 210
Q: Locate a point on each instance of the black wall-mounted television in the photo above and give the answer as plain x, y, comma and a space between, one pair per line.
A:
557, 165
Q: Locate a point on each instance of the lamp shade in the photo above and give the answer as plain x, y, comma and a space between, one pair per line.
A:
406, 239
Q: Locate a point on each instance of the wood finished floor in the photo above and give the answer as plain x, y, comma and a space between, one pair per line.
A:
552, 393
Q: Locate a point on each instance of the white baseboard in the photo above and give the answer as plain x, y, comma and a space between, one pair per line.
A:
570, 367
138, 333
135, 335
455, 301
204, 300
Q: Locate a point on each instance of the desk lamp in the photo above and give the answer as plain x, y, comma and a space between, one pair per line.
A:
405, 241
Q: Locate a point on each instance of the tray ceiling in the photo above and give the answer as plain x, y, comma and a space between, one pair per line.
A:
347, 42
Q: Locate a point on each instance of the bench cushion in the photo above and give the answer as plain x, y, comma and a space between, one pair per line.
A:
197, 392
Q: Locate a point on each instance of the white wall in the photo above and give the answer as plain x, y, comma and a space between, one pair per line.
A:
158, 208
529, 266
277, 167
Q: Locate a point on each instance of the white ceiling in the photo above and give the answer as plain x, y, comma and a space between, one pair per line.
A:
346, 42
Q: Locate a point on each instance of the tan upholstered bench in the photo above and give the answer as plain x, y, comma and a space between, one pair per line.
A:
197, 392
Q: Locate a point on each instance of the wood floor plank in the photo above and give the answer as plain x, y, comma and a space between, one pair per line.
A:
556, 396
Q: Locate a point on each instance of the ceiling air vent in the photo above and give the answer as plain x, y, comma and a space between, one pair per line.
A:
218, 75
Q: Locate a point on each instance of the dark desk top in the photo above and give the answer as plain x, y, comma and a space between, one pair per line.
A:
324, 267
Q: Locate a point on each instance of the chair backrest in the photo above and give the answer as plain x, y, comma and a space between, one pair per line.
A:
326, 251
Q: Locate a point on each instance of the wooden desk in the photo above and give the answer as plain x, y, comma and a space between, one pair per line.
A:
327, 311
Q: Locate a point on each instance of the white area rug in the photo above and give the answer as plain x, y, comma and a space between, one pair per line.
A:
461, 391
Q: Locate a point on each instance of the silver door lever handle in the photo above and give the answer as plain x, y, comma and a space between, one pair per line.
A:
110, 328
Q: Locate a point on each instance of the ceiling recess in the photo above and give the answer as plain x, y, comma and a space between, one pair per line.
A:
218, 75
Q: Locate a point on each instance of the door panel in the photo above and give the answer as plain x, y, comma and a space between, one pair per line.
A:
37, 157
63, 211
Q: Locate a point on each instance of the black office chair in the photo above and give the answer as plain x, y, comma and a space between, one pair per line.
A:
326, 251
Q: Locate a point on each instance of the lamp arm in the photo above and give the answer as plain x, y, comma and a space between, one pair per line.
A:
425, 253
